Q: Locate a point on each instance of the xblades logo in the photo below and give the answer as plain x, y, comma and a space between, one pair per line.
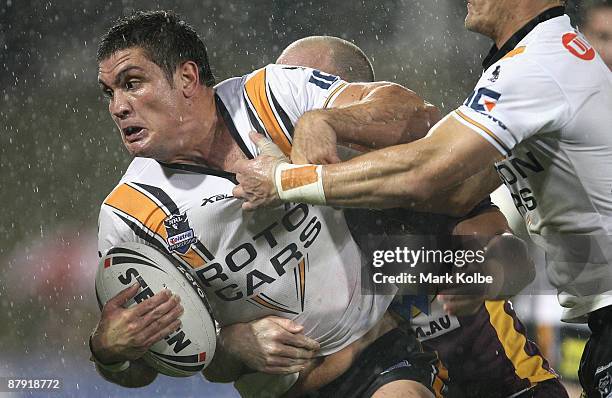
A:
215, 198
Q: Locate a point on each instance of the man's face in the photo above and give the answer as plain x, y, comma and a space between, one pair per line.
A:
598, 31
142, 103
484, 16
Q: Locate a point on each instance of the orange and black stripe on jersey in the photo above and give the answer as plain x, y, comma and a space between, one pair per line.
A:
227, 118
265, 112
144, 208
299, 274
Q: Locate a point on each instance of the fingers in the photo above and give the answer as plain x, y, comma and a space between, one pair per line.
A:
165, 331
302, 342
298, 158
281, 365
275, 370
163, 309
286, 324
162, 326
123, 296
152, 302
333, 158
265, 145
238, 192
248, 206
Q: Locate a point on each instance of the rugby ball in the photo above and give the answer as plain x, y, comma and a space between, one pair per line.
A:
191, 348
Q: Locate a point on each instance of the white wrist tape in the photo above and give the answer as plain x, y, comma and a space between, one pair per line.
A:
300, 183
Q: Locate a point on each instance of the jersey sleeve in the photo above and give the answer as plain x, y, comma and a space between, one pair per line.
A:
513, 101
277, 95
303, 89
111, 231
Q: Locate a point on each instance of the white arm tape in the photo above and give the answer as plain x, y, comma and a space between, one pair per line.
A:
300, 183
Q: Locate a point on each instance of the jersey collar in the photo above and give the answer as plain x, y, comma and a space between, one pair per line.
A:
496, 54
227, 118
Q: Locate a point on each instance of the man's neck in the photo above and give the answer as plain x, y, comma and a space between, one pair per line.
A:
223, 151
515, 21
211, 144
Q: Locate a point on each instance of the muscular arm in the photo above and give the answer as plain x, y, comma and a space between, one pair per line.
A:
461, 199
411, 175
372, 115
380, 114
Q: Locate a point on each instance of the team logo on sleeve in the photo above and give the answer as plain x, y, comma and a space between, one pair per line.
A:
180, 235
578, 46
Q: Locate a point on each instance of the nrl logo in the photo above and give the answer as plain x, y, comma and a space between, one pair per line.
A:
180, 235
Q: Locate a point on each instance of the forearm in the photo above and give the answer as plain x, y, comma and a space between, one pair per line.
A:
225, 367
399, 176
137, 375
461, 199
416, 174
387, 115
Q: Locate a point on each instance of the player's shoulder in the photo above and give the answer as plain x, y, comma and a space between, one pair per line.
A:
136, 168
275, 73
143, 172
556, 48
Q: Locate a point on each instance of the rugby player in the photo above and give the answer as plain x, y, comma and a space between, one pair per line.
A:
540, 115
296, 262
492, 338
597, 28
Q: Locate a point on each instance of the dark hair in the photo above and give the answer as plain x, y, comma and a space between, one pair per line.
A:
166, 39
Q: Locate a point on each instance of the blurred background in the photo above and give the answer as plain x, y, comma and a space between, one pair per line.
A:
60, 153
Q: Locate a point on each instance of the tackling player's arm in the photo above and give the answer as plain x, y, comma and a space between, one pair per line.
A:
409, 175
460, 200
373, 115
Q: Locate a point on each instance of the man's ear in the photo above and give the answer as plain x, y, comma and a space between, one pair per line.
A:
189, 78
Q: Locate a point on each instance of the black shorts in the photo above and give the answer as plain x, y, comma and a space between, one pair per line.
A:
595, 371
397, 355
551, 388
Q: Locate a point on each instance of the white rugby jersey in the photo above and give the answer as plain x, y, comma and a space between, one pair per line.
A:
547, 106
296, 261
